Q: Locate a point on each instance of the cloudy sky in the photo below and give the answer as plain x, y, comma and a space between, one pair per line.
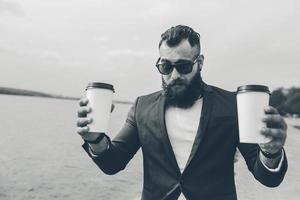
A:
59, 46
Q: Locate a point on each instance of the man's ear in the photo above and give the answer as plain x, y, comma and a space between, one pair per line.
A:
200, 61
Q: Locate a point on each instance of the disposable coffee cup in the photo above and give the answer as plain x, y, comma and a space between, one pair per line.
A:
251, 100
100, 100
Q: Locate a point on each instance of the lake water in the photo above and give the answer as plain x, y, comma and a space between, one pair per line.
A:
42, 158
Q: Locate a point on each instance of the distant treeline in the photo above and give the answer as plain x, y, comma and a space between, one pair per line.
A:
22, 92
287, 101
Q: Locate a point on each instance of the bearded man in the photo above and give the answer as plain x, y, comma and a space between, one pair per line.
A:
188, 132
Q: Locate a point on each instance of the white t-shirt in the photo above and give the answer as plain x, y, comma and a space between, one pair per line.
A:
182, 125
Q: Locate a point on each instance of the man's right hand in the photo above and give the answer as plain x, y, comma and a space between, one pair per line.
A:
83, 121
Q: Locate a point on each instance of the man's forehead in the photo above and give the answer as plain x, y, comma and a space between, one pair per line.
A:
182, 51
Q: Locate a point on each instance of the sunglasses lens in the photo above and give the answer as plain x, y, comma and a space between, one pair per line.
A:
165, 68
184, 68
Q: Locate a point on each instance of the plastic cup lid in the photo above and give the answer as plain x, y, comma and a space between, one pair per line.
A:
100, 85
253, 88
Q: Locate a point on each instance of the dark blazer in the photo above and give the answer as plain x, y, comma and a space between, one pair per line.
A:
209, 173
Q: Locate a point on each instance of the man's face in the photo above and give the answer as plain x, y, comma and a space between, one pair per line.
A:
178, 84
181, 52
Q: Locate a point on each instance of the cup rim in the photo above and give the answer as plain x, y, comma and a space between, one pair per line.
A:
253, 88
100, 85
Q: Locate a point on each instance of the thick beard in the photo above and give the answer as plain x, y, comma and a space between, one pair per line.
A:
188, 96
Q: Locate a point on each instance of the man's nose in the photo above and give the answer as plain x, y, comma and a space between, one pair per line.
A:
175, 74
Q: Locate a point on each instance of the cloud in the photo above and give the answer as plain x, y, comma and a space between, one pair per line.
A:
101, 39
158, 10
136, 38
126, 52
11, 7
50, 55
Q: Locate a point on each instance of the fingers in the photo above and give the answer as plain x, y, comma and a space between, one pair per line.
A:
83, 130
83, 111
270, 110
278, 137
273, 133
81, 122
274, 121
83, 101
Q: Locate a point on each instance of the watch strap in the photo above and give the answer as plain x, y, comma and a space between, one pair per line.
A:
97, 140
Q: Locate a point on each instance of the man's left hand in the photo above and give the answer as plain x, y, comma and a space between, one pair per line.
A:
276, 130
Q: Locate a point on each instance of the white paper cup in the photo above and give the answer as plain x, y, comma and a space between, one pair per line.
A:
100, 100
251, 100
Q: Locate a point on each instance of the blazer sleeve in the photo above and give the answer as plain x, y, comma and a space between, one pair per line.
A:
121, 149
268, 178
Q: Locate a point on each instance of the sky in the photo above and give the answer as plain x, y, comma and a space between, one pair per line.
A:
59, 46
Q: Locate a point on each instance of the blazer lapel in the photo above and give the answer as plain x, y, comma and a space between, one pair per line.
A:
204, 120
165, 138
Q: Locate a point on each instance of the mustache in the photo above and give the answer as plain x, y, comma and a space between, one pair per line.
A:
177, 82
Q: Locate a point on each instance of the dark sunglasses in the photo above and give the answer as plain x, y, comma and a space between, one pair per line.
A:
183, 67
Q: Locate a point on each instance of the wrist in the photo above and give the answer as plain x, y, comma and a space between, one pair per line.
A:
101, 147
95, 141
271, 155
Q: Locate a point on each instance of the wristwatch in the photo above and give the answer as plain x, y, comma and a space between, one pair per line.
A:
97, 140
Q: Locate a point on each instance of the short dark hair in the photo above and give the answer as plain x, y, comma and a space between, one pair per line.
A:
174, 35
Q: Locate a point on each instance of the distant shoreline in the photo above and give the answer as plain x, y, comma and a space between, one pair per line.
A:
31, 93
